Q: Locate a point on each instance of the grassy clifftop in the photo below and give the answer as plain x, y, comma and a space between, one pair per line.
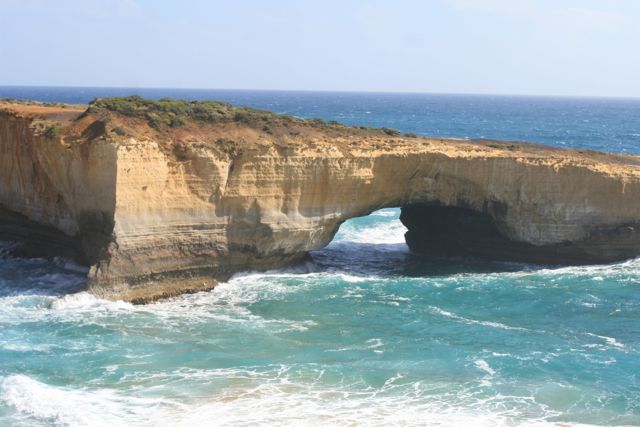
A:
175, 113
168, 115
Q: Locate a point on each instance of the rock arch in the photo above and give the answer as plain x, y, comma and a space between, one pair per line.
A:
164, 221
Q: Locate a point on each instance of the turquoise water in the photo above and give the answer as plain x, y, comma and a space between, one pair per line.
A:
367, 334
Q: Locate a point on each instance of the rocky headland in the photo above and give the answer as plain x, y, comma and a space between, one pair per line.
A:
165, 197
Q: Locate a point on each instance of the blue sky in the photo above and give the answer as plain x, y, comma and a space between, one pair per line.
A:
561, 47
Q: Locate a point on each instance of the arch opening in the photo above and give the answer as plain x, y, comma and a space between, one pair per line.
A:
369, 244
411, 241
423, 232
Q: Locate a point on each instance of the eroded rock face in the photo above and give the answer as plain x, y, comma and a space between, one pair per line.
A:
57, 198
161, 212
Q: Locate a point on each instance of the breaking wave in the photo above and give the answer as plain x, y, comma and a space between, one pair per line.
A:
362, 337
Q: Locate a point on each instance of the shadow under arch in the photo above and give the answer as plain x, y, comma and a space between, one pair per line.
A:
375, 244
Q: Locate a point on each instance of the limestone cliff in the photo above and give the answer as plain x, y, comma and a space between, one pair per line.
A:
160, 202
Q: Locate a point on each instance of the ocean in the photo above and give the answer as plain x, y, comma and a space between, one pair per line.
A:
372, 336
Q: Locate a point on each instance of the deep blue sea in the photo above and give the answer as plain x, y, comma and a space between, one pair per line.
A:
373, 336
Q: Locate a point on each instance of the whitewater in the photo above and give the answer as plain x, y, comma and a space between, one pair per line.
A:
365, 334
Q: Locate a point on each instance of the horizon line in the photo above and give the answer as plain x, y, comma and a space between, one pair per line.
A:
381, 92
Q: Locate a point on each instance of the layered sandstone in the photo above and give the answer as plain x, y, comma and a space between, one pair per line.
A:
157, 210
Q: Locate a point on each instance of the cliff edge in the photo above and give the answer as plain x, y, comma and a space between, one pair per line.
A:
165, 197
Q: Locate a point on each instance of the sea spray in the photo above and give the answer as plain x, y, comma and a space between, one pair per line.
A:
372, 335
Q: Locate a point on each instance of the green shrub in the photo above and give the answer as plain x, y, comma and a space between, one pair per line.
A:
165, 111
254, 117
153, 119
317, 121
53, 131
242, 117
227, 146
390, 132
176, 121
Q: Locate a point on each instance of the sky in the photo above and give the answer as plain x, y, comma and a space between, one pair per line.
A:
534, 47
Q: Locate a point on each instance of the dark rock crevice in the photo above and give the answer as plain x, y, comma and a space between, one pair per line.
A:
445, 231
37, 240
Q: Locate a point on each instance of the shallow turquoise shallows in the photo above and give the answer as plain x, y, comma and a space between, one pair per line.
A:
367, 334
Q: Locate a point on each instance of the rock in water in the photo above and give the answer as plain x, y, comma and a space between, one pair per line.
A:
167, 197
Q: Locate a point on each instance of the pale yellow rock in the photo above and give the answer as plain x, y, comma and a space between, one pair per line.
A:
153, 222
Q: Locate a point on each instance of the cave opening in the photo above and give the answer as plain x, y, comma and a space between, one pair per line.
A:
448, 231
418, 239
428, 233
369, 244
431, 230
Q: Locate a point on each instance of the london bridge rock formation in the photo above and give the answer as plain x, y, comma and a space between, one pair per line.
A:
165, 197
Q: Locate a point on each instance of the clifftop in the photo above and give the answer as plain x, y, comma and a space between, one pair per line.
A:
172, 118
165, 197
176, 123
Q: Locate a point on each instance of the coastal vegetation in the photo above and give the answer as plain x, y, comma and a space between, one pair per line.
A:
390, 132
32, 102
174, 113
227, 146
53, 131
167, 113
